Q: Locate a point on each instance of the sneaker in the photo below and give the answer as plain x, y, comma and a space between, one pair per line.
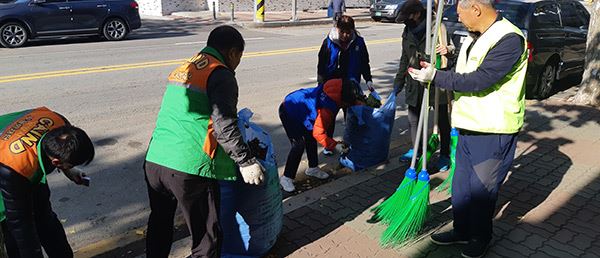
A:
316, 172
287, 184
443, 163
327, 152
447, 238
407, 156
475, 249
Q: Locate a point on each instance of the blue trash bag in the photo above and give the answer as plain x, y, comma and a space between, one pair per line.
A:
252, 216
368, 132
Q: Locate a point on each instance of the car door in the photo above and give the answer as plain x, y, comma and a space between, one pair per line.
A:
51, 17
547, 35
575, 35
581, 34
88, 14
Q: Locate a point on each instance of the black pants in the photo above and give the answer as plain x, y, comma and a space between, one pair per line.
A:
30, 221
198, 198
301, 139
482, 164
443, 124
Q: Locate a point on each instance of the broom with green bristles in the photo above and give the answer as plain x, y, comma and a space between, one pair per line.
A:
409, 222
447, 183
434, 140
392, 206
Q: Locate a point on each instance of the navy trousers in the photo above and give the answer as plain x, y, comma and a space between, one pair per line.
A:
482, 163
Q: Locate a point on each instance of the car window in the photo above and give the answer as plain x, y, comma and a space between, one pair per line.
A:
570, 16
450, 14
7, 1
583, 15
515, 12
546, 15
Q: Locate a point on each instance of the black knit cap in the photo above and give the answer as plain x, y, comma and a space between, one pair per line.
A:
409, 7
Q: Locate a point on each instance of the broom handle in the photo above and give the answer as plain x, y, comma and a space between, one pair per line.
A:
429, 44
413, 161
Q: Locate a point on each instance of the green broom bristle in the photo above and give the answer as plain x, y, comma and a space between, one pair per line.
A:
393, 205
448, 181
432, 146
409, 222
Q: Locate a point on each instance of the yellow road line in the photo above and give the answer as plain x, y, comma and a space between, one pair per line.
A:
121, 67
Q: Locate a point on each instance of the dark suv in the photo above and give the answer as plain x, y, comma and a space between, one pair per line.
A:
386, 9
556, 33
21, 20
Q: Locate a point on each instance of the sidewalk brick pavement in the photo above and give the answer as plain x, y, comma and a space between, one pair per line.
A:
548, 206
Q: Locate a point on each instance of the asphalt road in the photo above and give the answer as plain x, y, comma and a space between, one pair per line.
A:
113, 90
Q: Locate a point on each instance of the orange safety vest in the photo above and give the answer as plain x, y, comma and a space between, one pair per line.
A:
183, 138
20, 134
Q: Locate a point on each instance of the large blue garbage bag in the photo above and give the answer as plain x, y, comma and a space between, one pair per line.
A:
252, 216
368, 132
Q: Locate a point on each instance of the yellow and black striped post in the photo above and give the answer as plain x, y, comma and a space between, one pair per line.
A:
259, 11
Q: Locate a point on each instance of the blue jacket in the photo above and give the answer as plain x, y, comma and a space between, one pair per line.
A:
302, 105
335, 62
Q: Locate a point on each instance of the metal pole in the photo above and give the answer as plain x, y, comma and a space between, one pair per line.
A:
232, 12
428, 27
259, 11
294, 10
214, 10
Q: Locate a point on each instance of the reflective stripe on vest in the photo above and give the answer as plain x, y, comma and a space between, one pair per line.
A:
500, 108
19, 140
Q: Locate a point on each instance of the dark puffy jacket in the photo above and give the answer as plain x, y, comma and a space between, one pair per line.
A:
413, 51
24, 210
336, 62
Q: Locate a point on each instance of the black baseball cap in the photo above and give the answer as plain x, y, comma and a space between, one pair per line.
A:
409, 7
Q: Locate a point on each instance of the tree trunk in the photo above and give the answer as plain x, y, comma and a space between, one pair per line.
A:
589, 93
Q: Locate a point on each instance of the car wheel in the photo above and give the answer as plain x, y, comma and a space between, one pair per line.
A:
115, 29
546, 81
13, 35
377, 19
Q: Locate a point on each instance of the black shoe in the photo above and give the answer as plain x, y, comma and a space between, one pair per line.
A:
448, 238
475, 249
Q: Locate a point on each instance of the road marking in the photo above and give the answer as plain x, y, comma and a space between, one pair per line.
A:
121, 67
204, 41
373, 69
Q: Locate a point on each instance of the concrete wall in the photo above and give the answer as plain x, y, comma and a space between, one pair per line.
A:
286, 5
170, 6
150, 7
166, 7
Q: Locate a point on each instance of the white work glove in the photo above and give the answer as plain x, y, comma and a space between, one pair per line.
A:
253, 174
77, 176
425, 74
370, 86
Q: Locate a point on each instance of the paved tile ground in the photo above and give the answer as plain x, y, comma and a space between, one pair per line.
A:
548, 206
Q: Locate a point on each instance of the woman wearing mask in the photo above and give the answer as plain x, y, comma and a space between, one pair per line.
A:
413, 15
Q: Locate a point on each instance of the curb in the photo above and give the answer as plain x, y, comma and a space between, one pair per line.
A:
156, 17
131, 239
274, 24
